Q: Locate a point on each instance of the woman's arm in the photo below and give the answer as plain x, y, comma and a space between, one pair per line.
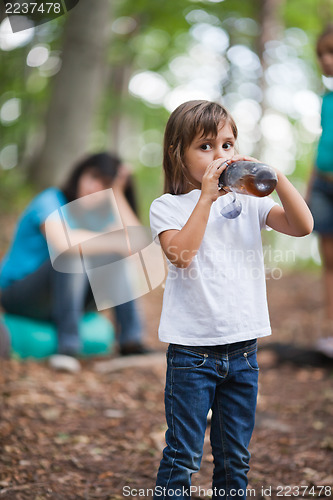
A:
127, 215
294, 217
95, 243
114, 238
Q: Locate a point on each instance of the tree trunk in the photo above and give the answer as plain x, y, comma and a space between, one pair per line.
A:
75, 97
271, 28
120, 124
270, 23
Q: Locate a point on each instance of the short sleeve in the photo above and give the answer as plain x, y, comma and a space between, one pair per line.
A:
265, 206
164, 215
45, 203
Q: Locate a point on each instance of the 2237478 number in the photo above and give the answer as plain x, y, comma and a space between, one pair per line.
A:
33, 8
302, 491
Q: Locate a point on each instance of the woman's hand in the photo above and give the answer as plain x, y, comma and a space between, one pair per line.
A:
127, 215
121, 179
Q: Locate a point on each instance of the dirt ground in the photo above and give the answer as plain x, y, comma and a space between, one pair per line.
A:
99, 435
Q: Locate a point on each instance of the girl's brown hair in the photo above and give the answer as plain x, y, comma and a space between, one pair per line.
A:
186, 121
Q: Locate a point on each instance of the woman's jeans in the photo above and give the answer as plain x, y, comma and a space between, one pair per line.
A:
62, 298
225, 379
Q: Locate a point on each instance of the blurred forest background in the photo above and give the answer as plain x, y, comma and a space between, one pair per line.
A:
107, 74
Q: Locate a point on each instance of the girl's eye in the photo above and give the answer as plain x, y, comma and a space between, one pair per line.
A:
205, 147
227, 145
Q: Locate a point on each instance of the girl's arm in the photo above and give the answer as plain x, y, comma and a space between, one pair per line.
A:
181, 246
294, 217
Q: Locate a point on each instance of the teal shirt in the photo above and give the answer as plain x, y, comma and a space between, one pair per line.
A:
325, 146
29, 248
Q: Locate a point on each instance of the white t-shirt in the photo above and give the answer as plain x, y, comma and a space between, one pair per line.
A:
220, 298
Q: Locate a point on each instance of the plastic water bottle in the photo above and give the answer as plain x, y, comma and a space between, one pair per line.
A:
248, 177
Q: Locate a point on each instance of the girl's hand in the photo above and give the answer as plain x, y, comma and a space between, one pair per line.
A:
210, 189
242, 158
210, 181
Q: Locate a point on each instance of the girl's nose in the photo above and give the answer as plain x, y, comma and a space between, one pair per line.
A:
220, 154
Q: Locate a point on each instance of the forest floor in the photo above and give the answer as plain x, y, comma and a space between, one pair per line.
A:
98, 434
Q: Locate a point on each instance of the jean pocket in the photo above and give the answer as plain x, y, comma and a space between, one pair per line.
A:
186, 360
251, 360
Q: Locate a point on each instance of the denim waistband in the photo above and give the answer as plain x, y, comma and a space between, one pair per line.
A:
220, 350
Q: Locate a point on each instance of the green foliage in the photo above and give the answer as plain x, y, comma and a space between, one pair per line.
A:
149, 183
30, 85
147, 36
15, 192
160, 33
311, 17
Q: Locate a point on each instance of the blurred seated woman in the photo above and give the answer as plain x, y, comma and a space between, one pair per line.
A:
62, 241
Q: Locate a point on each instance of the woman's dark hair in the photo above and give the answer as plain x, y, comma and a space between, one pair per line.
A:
104, 165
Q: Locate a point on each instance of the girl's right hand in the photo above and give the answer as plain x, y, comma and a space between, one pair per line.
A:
210, 189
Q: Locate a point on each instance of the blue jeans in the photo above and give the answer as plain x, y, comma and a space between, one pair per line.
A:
62, 298
225, 379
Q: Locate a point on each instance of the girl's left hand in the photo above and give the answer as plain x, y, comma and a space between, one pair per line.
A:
241, 158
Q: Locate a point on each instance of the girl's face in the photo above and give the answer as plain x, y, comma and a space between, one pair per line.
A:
203, 150
325, 55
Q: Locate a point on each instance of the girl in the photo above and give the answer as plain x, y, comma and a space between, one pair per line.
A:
32, 287
214, 305
321, 187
